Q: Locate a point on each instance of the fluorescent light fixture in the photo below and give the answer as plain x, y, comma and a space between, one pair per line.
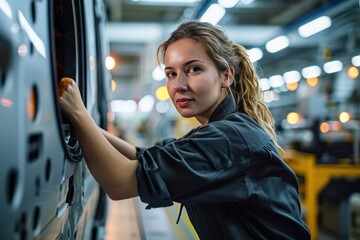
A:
167, 1
228, 3
356, 61
314, 26
277, 44
255, 54
333, 66
276, 81
292, 76
213, 14
271, 96
264, 83
247, 2
311, 72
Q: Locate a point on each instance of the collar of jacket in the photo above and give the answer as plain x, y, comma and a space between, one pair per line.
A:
226, 107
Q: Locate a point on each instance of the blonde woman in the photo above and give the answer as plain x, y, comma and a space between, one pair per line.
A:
227, 172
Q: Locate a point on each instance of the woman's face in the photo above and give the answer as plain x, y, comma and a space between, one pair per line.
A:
193, 82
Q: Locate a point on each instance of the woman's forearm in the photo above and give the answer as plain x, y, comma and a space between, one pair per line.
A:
122, 146
113, 170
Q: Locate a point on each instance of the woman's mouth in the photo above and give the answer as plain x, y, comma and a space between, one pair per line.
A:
184, 102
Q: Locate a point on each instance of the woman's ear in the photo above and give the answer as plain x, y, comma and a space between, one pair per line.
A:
229, 76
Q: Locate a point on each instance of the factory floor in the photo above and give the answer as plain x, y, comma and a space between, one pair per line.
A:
128, 220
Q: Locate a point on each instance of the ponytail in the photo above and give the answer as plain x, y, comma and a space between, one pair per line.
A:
248, 94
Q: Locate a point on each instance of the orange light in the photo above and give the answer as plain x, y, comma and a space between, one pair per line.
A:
113, 85
293, 118
344, 117
324, 127
312, 82
32, 104
352, 72
292, 86
336, 126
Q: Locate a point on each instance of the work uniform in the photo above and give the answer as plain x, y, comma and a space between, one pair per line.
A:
230, 178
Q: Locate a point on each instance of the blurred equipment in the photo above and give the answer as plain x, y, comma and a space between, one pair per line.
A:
354, 216
313, 179
335, 208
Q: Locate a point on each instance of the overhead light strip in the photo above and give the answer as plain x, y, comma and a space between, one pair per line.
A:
167, 1
213, 14
314, 26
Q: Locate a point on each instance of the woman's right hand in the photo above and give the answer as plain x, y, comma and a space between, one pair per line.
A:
70, 100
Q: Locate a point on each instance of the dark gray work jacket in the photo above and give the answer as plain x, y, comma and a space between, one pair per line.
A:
230, 178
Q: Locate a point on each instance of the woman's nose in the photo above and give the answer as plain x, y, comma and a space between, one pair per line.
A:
181, 84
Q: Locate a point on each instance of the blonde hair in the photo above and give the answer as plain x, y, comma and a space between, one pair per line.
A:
245, 89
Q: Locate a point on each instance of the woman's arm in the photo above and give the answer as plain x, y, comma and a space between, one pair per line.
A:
121, 145
113, 170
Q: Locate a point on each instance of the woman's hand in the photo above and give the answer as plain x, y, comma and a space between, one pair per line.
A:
70, 100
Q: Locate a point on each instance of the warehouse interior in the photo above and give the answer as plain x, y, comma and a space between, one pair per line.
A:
307, 57
310, 82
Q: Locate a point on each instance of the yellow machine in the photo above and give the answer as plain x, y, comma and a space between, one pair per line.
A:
313, 178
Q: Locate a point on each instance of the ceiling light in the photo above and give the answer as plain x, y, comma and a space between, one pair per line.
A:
213, 14
277, 44
310, 72
271, 96
314, 26
228, 3
255, 54
333, 66
276, 81
356, 61
292, 76
352, 72
264, 83
247, 2
167, 1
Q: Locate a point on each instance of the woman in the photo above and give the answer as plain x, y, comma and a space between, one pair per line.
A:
227, 173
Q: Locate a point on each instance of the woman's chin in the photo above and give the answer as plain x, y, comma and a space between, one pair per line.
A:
186, 114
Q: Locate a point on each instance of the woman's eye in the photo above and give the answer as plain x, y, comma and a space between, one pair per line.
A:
193, 69
170, 74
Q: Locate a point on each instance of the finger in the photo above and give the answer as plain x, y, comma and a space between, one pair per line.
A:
63, 85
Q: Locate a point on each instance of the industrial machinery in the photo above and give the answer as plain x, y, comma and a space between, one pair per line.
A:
354, 216
47, 191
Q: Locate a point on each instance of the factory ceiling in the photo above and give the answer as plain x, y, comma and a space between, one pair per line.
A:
135, 28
